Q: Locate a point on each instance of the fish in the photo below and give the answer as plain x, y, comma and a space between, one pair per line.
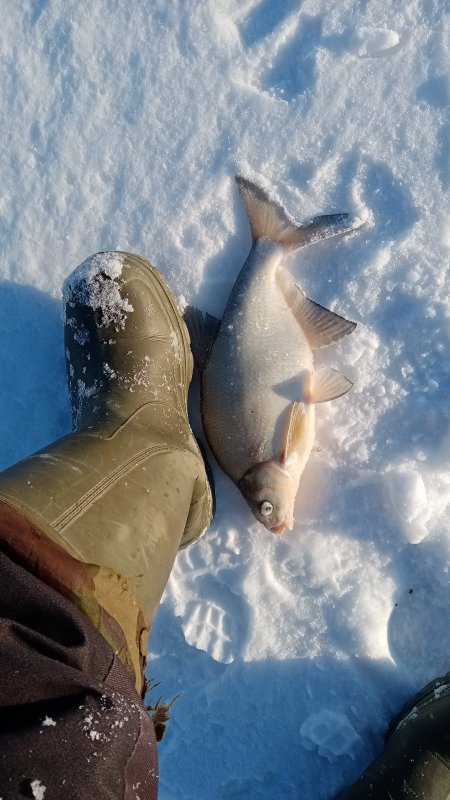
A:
259, 387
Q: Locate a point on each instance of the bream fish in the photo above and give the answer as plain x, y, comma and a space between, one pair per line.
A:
259, 387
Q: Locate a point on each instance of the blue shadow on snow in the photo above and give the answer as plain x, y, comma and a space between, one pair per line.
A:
33, 395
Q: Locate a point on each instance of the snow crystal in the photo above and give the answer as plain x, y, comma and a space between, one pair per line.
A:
81, 335
410, 716
441, 691
38, 789
94, 283
108, 370
174, 341
48, 722
182, 303
83, 393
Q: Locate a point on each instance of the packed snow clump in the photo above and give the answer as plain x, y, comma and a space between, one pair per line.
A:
330, 733
94, 284
48, 722
374, 42
38, 790
408, 499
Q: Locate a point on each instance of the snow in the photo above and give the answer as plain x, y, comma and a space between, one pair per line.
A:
48, 722
91, 284
123, 129
38, 789
331, 734
408, 498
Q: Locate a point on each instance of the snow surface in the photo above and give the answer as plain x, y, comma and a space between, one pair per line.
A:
123, 128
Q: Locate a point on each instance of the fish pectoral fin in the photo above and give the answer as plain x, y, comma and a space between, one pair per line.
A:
320, 325
202, 331
327, 384
269, 220
293, 432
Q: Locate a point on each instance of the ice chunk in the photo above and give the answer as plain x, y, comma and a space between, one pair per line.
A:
330, 733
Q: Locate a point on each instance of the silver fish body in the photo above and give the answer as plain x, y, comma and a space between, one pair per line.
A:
258, 363
259, 387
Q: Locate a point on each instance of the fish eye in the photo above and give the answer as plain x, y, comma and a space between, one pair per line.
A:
266, 508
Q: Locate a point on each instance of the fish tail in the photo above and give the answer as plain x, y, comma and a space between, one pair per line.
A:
269, 220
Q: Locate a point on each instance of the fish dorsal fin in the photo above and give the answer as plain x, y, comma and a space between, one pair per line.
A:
327, 384
269, 220
320, 325
202, 331
293, 432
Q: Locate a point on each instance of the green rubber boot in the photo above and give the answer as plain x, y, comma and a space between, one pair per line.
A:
415, 761
101, 513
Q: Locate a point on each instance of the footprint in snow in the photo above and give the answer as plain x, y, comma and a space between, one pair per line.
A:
210, 556
216, 626
419, 634
330, 733
281, 54
375, 42
213, 569
293, 69
262, 19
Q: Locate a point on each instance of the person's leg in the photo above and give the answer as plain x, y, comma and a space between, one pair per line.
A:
99, 515
71, 723
415, 761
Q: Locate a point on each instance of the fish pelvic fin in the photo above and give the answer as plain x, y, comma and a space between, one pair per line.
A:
327, 384
202, 332
294, 433
320, 325
269, 220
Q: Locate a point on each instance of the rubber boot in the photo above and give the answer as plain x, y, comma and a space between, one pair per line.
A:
100, 514
415, 761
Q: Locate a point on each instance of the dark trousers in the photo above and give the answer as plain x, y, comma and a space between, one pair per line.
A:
71, 722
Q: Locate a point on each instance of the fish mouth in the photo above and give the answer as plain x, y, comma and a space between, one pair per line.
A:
279, 528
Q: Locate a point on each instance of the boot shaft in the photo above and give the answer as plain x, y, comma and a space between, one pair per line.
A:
126, 342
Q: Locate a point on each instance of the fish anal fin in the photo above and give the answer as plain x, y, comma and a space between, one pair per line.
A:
293, 433
202, 332
269, 220
320, 325
327, 384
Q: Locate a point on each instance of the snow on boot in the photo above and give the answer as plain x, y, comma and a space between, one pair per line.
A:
415, 761
101, 513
